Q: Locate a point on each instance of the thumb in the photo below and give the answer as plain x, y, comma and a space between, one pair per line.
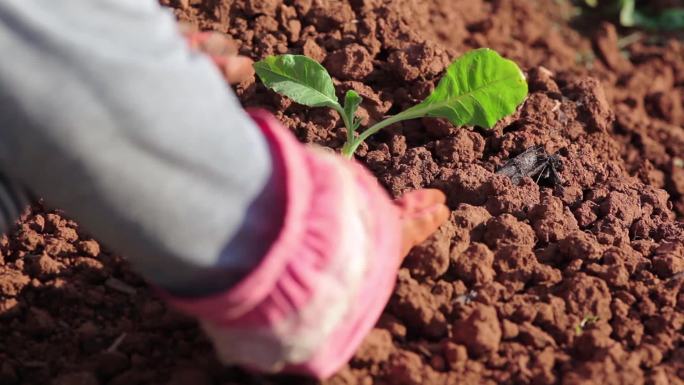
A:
422, 212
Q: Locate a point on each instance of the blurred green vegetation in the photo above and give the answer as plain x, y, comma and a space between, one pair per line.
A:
641, 14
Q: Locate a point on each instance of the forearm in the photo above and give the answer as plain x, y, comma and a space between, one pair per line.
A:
109, 116
12, 201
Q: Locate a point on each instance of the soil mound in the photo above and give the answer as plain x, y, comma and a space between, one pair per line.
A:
579, 282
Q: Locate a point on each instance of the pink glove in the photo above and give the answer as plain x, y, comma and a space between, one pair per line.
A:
325, 281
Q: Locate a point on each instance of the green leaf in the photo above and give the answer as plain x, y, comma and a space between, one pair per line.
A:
301, 79
627, 13
479, 89
352, 100
667, 20
591, 3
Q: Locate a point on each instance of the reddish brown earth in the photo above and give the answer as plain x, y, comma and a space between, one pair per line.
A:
581, 283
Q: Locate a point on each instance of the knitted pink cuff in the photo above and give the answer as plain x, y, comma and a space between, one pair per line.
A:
326, 279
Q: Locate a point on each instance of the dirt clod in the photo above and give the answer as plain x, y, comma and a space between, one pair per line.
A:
479, 332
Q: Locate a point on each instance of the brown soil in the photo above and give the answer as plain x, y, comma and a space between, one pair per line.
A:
581, 283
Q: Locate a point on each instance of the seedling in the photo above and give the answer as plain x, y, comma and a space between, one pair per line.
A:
633, 16
478, 89
586, 321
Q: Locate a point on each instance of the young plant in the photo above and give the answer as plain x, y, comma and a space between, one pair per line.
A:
587, 320
478, 89
632, 16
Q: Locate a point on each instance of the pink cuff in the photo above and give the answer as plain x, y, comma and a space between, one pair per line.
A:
378, 283
326, 279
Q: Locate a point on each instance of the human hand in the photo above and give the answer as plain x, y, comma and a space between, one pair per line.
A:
421, 212
335, 262
223, 51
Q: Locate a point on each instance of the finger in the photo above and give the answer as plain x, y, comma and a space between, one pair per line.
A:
186, 29
415, 201
212, 43
217, 44
416, 229
235, 69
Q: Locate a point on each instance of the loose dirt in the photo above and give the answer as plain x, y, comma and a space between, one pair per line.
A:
578, 283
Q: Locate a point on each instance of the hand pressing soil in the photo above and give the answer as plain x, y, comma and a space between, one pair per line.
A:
223, 51
621, 259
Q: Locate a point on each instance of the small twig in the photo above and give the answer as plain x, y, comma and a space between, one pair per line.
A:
119, 285
116, 343
424, 350
628, 40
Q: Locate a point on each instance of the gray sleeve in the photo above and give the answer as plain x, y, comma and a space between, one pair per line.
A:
105, 113
13, 199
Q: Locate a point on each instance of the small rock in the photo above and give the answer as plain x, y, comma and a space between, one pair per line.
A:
474, 265
406, 368
456, 356
90, 248
506, 229
9, 308
393, 325
509, 330
57, 247
12, 282
313, 50
668, 265
431, 258
66, 233
44, 267
533, 336
480, 331
376, 348
352, 62
261, 7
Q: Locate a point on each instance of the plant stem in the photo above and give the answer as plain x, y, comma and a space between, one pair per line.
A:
626, 41
353, 143
347, 123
